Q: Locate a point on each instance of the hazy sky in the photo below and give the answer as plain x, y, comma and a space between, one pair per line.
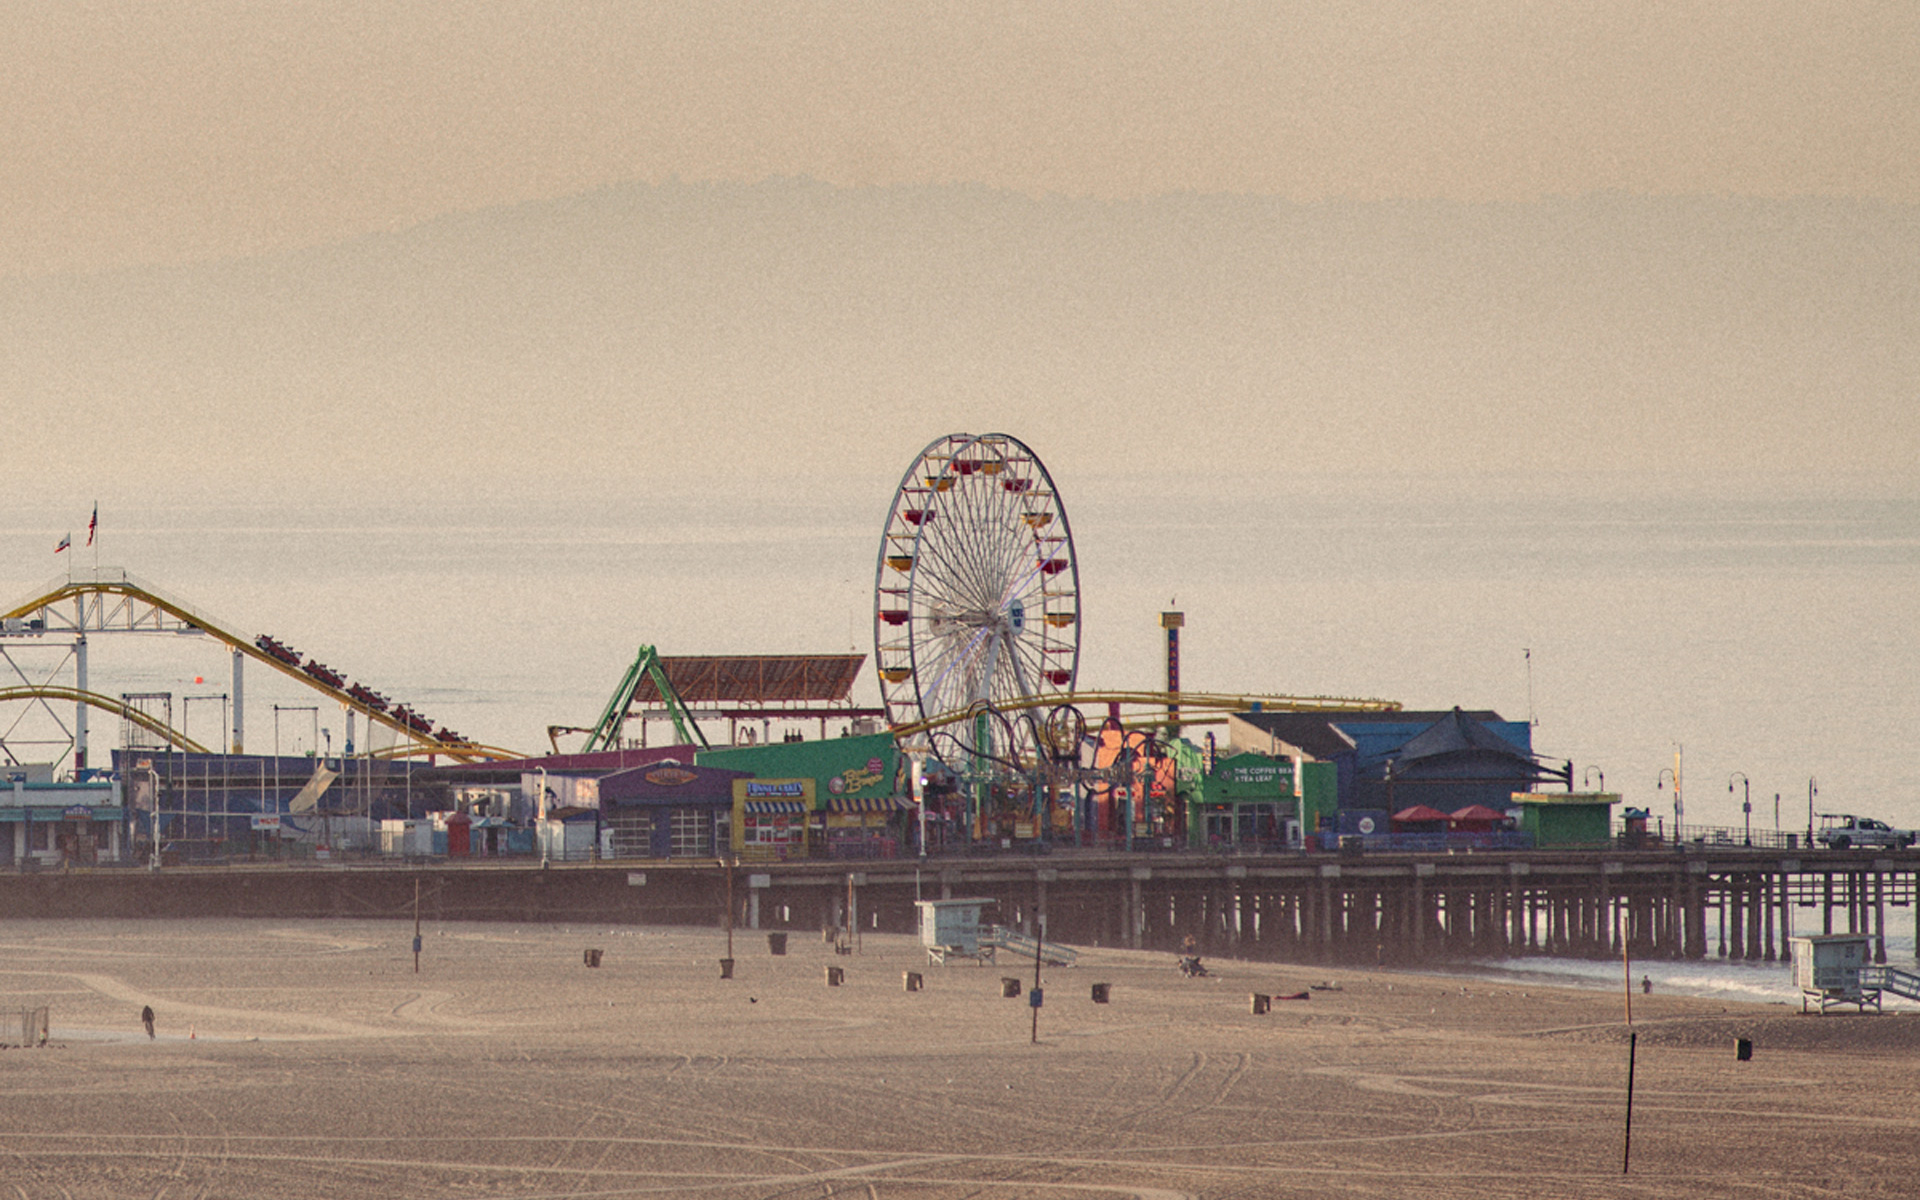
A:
165, 132
732, 265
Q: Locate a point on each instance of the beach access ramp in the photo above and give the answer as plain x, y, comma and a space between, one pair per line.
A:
1891, 979
1022, 947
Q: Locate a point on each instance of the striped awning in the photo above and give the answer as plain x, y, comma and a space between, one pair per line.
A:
865, 804
776, 808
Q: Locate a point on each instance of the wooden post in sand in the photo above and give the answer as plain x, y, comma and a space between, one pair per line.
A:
1626, 968
1626, 1149
1039, 935
416, 925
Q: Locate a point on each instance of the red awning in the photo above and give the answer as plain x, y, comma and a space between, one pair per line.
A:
1419, 812
1478, 812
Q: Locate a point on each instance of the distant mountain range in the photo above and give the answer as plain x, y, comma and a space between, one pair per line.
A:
791, 331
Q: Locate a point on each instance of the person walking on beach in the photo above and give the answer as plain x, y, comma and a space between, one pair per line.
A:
146, 1018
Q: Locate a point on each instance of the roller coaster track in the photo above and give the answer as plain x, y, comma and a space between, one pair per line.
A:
1187, 702
117, 707
126, 603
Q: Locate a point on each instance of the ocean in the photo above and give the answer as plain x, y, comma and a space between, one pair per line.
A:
1711, 978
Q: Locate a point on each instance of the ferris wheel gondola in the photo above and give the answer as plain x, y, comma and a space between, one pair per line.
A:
977, 587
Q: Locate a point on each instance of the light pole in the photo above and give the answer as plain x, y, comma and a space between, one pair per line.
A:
1679, 805
1746, 803
1594, 771
1813, 790
1660, 785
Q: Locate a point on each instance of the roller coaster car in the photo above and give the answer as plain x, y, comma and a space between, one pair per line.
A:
443, 734
367, 696
285, 654
412, 720
323, 673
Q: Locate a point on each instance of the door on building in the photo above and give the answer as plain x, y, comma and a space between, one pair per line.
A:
632, 830
692, 830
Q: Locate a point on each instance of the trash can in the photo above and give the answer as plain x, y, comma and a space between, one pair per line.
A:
1009, 986
777, 942
1100, 993
1743, 1049
726, 968
593, 958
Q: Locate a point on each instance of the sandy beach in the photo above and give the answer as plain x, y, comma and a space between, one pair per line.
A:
309, 1059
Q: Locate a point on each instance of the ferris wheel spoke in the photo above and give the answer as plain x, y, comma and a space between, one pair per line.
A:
976, 587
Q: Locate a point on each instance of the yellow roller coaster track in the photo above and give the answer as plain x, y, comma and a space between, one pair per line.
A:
1187, 702
115, 582
111, 704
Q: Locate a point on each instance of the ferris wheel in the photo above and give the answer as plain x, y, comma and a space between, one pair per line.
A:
977, 588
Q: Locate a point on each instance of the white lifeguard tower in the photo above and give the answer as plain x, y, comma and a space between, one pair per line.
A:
951, 929
1832, 969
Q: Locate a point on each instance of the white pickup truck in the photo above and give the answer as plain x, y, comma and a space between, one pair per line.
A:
1842, 831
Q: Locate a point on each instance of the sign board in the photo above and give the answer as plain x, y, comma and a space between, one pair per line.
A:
259, 822
756, 789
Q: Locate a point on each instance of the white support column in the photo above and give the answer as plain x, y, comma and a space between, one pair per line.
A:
239, 702
80, 706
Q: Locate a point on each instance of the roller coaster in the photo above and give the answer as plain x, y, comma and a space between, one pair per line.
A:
111, 600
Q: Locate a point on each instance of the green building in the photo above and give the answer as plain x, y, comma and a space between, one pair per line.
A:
839, 796
1254, 800
1567, 818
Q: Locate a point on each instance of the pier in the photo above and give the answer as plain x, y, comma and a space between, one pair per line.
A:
1387, 909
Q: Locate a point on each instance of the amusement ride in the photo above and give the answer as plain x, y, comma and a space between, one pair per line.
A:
978, 631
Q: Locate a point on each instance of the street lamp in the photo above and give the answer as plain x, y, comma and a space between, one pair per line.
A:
1660, 785
1594, 771
1746, 802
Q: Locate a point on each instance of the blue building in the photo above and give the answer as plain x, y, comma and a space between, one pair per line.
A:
1388, 761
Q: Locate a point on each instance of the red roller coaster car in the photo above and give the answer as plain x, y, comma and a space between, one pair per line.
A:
323, 673
285, 654
367, 696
